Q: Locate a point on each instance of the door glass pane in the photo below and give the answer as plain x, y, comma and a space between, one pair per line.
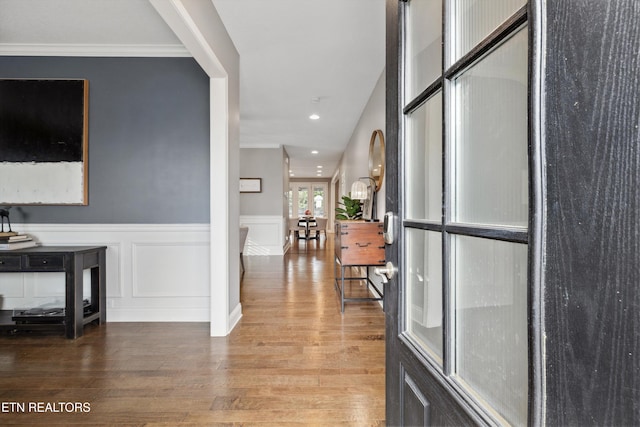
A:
476, 19
424, 290
303, 200
319, 201
423, 45
490, 280
309, 199
423, 177
490, 181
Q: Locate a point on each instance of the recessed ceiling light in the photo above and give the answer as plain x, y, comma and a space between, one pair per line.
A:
319, 166
314, 117
314, 152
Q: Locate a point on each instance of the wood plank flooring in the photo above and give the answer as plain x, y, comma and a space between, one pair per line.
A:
293, 359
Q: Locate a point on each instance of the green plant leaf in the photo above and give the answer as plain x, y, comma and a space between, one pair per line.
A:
352, 208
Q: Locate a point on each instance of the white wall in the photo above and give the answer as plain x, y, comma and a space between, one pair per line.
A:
199, 27
355, 161
267, 164
265, 213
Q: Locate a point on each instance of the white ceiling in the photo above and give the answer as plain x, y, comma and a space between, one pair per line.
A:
291, 51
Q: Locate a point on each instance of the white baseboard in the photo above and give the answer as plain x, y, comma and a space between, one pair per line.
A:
235, 316
156, 314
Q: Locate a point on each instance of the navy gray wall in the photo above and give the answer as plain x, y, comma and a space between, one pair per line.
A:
148, 139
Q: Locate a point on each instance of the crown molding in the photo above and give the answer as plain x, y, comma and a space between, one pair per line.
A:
259, 145
132, 50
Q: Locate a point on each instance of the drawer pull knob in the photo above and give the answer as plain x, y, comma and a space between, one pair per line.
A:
1, 262
363, 245
44, 261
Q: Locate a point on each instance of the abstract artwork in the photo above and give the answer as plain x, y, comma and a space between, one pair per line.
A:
43, 142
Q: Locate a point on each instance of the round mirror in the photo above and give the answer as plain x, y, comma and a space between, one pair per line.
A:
376, 157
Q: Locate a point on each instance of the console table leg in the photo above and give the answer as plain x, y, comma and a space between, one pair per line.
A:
342, 287
74, 307
98, 288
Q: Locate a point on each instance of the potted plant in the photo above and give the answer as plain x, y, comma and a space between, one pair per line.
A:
352, 208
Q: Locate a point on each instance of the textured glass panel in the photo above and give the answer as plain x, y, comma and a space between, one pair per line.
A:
319, 201
423, 176
490, 279
476, 19
423, 45
490, 180
424, 289
303, 200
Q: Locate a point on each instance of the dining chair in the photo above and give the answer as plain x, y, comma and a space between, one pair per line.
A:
320, 227
295, 228
243, 239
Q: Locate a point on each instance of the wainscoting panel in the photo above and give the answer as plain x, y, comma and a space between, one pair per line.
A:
11, 286
49, 285
170, 270
155, 272
265, 235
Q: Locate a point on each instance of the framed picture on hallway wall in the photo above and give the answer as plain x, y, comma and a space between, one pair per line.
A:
251, 185
44, 142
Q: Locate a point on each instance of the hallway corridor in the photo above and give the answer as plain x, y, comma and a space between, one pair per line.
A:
293, 360
330, 366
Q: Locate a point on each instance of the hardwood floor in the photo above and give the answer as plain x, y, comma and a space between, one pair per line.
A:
293, 359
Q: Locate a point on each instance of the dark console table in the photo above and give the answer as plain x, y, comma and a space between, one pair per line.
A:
71, 260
